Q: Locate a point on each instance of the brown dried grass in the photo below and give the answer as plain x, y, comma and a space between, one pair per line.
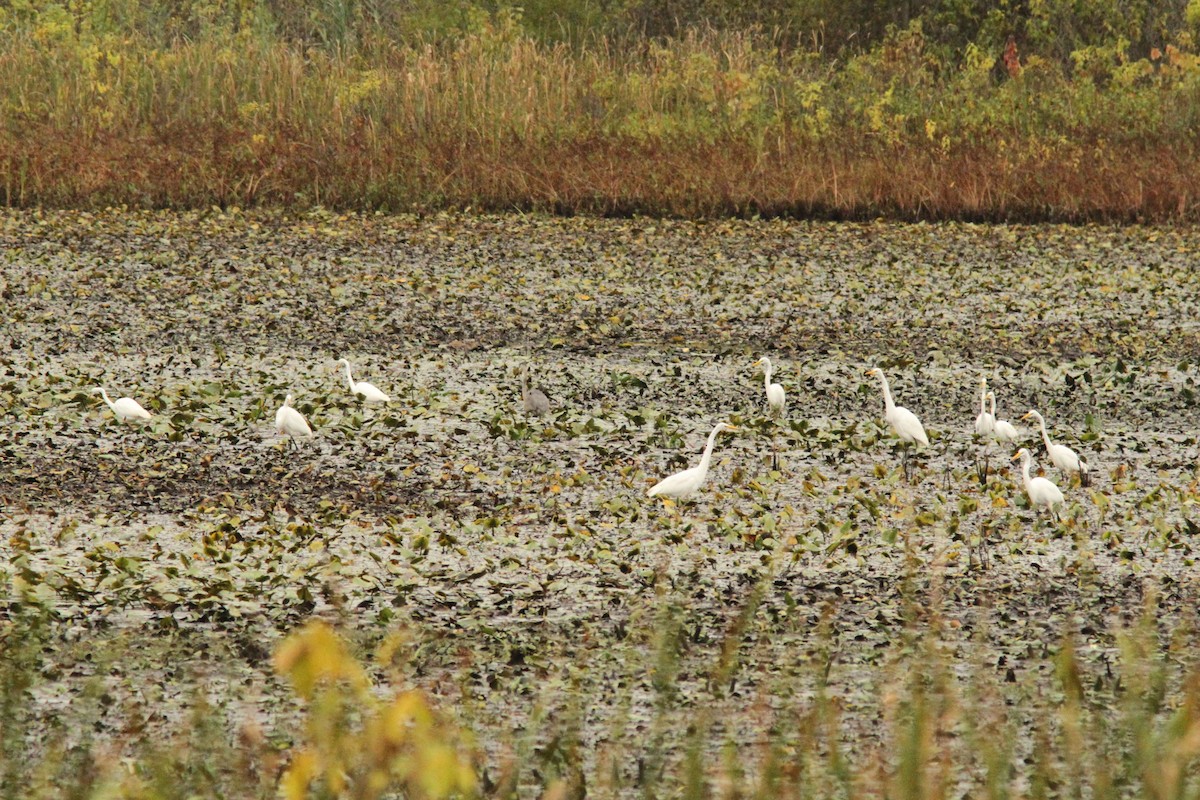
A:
197, 166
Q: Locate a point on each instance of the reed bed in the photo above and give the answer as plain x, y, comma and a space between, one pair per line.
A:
709, 123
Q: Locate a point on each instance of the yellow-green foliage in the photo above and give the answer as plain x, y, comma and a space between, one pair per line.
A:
946, 718
360, 746
117, 101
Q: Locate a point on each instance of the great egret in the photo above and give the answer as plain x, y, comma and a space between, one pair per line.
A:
1003, 430
290, 422
682, 484
903, 422
775, 395
985, 428
126, 408
369, 391
1042, 491
985, 423
1061, 456
534, 400
775, 403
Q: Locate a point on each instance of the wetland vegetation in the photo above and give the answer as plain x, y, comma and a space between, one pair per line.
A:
466, 591
939, 109
502, 610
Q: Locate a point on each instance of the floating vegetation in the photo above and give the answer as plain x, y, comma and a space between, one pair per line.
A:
816, 624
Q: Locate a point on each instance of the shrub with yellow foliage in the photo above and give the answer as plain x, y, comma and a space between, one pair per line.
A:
359, 746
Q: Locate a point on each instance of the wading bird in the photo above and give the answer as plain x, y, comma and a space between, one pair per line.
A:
775, 403
533, 400
682, 484
985, 428
985, 423
368, 391
1003, 430
1061, 456
903, 422
775, 395
1042, 491
125, 408
290, 422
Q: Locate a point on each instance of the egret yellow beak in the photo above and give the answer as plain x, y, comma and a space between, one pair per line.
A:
1025, 417
731, 428
1015, 456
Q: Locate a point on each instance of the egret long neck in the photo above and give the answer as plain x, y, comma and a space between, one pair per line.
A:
108, 402
767, 376
1025, 470
888, 402
983, 398
1045, 436
992, 406
708, 448
349, 379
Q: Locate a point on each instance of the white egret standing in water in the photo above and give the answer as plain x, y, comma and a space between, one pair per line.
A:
126, 408
685, 483
1003, 429
775, 395
1042, 491
775, 403
985, 427
985, 423
1061, 456
368, 391
903, 422
290, 422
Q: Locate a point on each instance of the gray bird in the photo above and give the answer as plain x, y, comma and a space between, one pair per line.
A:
534, 400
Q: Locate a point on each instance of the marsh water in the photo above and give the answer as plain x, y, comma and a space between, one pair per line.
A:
520, 557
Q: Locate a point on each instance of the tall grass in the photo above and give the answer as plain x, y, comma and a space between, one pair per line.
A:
943, 727
706, 123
